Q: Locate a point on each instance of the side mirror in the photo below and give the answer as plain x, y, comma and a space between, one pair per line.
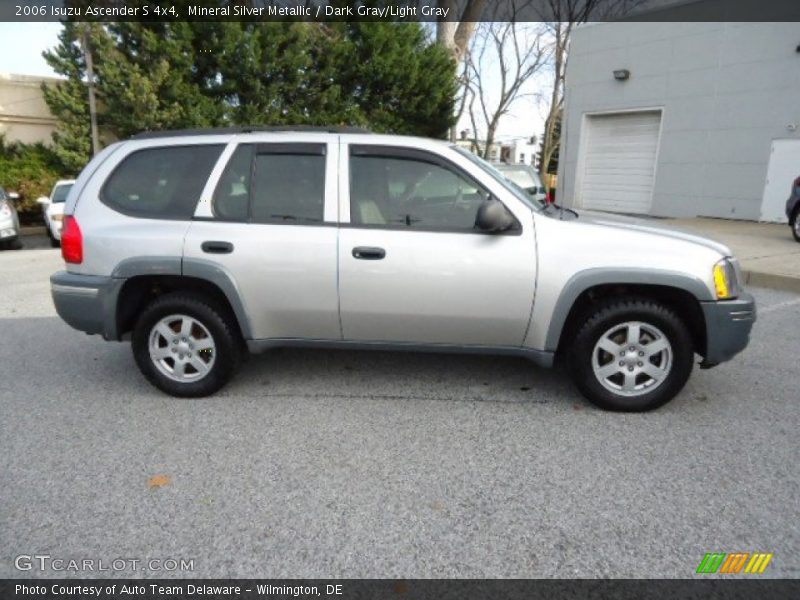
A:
494, 217
43, 200
13, 196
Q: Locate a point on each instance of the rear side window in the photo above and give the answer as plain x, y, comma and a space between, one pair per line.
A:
273, 183
288, 188
161, 183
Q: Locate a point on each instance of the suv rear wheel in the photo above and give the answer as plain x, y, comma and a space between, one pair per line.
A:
631, 355
186, 346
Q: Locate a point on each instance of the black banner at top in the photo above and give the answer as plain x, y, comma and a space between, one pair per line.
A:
400, 11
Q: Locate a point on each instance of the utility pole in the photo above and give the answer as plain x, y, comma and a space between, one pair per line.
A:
87, 56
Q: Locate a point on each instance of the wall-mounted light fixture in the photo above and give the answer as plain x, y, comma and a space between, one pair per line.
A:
622, 74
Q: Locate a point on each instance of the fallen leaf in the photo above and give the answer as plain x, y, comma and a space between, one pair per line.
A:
157, 481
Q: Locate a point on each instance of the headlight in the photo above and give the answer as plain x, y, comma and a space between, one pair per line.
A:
5, 209
57, 218
725, 279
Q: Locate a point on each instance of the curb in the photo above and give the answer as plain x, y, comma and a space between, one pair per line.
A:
33, 230
772, 281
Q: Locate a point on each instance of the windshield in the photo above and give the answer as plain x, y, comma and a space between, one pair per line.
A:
522, 177
500, 178
60, 193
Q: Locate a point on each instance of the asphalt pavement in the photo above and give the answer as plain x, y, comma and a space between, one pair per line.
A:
373, 464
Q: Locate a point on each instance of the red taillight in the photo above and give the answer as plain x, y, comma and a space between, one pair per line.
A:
71, 241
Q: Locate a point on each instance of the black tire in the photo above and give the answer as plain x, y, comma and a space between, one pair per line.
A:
15, 244
617, 311
219, 323
793, 222
53, 241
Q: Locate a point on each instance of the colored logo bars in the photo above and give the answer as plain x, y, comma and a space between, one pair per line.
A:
720, 562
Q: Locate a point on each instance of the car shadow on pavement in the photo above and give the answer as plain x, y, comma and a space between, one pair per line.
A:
53, 359
386, 375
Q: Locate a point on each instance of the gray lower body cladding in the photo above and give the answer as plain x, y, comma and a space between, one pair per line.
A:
728, 325
87, 302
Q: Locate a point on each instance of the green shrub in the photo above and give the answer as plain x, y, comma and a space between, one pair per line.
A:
30, 170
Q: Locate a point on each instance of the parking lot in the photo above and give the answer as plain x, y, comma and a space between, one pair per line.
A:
354, 464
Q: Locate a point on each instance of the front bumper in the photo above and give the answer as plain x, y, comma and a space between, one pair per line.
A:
728, 325
87, 302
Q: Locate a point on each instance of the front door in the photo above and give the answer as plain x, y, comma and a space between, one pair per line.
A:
412, 266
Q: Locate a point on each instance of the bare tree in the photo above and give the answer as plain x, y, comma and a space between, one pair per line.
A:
454, 33
562, 16
503, 57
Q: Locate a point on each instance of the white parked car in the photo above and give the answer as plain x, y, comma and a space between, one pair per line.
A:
9, 221
526, 177
53, 209
200, 246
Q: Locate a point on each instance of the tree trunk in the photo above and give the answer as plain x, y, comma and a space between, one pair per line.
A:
548, 141
87, 54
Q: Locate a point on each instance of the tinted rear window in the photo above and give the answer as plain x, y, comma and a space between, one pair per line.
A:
161, 183
60, 195
289, 188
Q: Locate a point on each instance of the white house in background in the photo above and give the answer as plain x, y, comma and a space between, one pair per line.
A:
682, 119
477, 146
519, 151
24, 115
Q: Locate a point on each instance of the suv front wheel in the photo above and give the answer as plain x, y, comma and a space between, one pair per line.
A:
185, 346
795, 223
631, 355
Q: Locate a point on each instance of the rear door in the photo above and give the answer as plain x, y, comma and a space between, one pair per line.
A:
267, 223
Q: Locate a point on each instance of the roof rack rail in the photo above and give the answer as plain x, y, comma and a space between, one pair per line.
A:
248, 129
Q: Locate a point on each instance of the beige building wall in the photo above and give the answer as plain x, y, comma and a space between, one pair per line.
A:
24, 115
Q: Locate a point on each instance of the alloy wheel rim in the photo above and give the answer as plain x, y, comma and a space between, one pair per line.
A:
182, 348
632, 358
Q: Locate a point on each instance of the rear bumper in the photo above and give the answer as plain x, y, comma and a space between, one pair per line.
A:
55, 229
87, 302
728, 325
9, 230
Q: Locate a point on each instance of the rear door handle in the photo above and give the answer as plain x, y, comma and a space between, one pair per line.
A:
368, 253
213, 247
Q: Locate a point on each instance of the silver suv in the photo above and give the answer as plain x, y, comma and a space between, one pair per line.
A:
202, 246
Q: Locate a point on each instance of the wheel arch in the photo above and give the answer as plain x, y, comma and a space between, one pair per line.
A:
681, 292
147, 278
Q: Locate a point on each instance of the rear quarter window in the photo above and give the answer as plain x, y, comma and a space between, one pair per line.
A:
161, 183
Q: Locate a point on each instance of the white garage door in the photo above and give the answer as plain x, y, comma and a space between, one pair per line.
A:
619, 162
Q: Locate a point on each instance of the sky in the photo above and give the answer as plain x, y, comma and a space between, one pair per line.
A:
22, 44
